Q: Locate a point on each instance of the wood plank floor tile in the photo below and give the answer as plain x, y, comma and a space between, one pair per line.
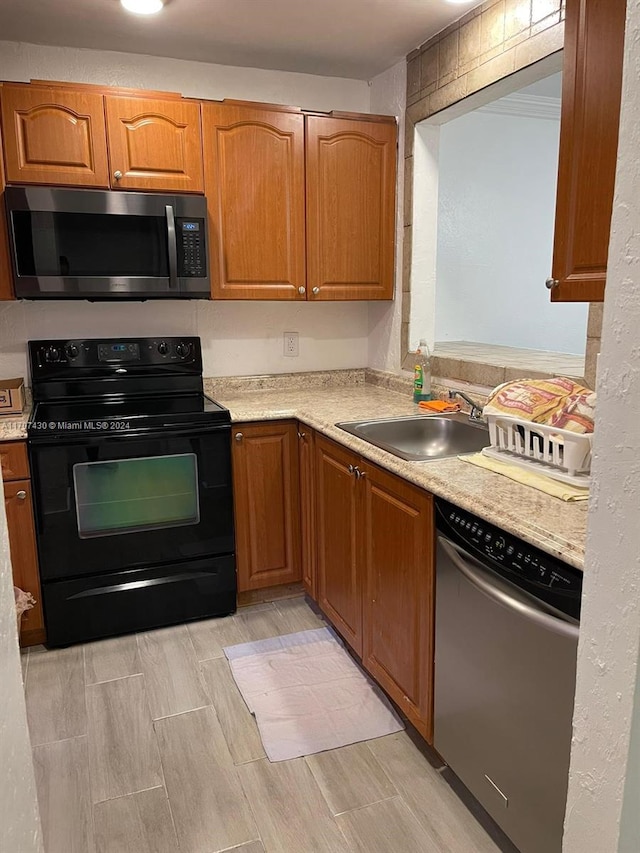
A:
56, 707
252, 847
261, 622
210, 636
386, 827
62, 780
296, 615
289, 808
106, 660
430, 798
207, 802
350, 777
237, 722
123, 753
137, 823
171, 672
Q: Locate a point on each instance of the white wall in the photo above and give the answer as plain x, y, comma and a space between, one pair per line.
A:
238, 338
603, 810
496, 207
19, 816
389, 97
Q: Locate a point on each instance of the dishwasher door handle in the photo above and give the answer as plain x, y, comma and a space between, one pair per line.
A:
483, 583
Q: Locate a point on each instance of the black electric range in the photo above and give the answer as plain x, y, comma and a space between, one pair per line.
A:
131, 468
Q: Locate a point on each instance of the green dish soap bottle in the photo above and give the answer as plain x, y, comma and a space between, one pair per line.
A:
422, 373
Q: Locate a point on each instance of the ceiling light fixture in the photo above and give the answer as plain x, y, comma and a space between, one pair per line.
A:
458, 2
143, 7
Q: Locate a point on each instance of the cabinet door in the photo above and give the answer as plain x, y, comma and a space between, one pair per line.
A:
154, 144
267, 504
398, 599
339, 530
591, 91
306, 445
54, 136
254, 179
24, 558
351, 191
6, 279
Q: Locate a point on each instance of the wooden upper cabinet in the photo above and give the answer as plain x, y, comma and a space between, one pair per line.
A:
591, 93
339, 533
54, 136
351, 191
154, 144
267, 504
254, 181
6, 286
398, 599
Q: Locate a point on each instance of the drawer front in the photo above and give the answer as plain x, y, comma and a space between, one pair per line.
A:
14, 460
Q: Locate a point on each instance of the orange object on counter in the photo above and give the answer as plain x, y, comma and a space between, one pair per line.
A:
438, 406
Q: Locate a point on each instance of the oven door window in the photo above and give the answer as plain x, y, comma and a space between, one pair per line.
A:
131, 495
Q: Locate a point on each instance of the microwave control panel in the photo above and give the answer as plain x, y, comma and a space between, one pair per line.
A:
191, 247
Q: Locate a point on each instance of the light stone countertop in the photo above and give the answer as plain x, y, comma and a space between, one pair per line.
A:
14, 427
555, 526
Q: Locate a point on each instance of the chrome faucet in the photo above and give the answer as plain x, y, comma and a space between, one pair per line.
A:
475, 415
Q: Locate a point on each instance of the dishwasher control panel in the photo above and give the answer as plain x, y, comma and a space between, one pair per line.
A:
532, 569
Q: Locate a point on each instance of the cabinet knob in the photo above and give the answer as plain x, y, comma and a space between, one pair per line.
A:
302, 435
239, 436
315, 291
21, 495
552, 283
302, 290
117, 174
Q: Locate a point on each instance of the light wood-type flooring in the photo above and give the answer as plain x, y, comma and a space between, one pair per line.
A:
142, 744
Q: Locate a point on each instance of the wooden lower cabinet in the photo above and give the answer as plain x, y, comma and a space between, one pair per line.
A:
375, 576
339, 531
267, 503
24, 556
398, 592
306, 456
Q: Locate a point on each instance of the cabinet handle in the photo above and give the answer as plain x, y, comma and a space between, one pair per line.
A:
360, 474
302, 290
21, 495
316, 291
302, 435
352, 470
552, 283
239, 436
117, 174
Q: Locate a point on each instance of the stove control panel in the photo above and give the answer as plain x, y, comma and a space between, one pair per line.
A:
60, 358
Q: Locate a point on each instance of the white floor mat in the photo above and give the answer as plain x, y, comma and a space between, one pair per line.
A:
308, 694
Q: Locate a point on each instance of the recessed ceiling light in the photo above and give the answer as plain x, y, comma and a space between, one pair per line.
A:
457, 2
143, 7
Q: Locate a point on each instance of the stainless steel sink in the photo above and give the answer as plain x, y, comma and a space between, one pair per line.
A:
422, 437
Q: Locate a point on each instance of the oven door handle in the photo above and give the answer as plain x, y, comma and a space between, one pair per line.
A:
483, 582
173, 248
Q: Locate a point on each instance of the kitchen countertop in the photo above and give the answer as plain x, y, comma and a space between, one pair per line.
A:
555, 526
14, 427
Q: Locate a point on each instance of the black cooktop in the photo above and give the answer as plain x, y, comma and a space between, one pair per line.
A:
111, 386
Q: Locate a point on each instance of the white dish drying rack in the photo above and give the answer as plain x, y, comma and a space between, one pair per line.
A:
558, 453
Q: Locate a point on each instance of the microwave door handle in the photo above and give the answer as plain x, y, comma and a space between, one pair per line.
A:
173, 251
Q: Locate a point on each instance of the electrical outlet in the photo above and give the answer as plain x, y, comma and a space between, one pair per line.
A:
291, 344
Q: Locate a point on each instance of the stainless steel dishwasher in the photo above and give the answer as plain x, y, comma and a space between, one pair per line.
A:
507, 618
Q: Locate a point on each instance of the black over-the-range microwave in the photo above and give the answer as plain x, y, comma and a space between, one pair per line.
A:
104, 244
